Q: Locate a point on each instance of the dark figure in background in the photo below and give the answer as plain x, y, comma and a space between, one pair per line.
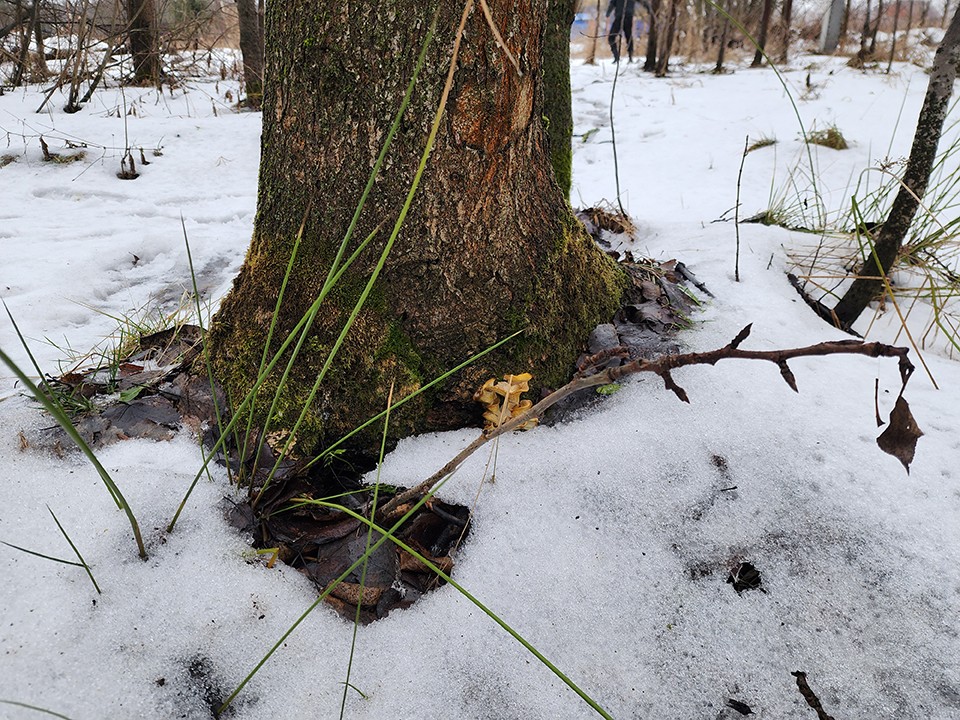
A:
622, 11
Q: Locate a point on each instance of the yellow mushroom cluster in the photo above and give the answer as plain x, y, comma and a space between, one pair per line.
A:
502, 402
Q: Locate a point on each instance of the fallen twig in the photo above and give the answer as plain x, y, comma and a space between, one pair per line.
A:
810, 696
660, 366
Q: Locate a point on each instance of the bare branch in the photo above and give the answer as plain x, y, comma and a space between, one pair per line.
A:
661, 366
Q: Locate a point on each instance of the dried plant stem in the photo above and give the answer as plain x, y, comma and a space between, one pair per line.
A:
661, 366
736, 209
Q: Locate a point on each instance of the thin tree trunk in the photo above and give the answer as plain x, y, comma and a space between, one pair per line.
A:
723, 41
24, 53
844, 26
865, 34
490, 245
663, 63
876, 28
893, 38
592, 55
251, 48
650, 62
893, 232
144, 46
762, 39
785, 38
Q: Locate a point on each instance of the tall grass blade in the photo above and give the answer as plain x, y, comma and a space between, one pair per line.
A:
363, 571
323, 595
273, 326
40, 555
76, 552
35, 708
463, 591
58, 414
469, 361
203, 333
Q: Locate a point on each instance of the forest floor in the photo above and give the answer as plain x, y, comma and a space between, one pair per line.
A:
607, 541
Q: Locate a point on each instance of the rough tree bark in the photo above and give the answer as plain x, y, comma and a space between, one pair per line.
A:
144, 49
557, 108
869, 282
251, 48
490, 245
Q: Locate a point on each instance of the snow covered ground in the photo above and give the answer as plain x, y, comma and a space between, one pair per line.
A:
606, 542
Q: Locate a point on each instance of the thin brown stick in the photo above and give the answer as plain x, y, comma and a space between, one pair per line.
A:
736, 208
660, 366
498, 37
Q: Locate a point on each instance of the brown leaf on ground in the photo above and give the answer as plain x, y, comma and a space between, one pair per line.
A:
900, 437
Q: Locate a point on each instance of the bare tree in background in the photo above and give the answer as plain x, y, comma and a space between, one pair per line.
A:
870, 278
762, 35
251, 48
787, 17
144, 45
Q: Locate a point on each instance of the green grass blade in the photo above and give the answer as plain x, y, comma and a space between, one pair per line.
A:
469, 361
320, 598
68, 427
35, 708
73, 547
335, 271
328, 285
463, 591
203, 333
40, 555
363, 571
245, 403
273, 325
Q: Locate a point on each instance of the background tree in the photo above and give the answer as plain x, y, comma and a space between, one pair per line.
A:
490, 245
762, 33
251, 48
650, 62
666, 40
144, 44
786, 21
869, 283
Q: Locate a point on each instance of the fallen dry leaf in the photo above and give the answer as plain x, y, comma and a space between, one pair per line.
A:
900, 437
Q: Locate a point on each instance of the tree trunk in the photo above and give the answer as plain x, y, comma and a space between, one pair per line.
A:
251, 48
762, 35
557, 108
844, 26
650, 62
876, 28
723, 41
490, 245
595, 35
892, 233
144, 48
865, 35
893, 37
663, 63
38, 38
785, 37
